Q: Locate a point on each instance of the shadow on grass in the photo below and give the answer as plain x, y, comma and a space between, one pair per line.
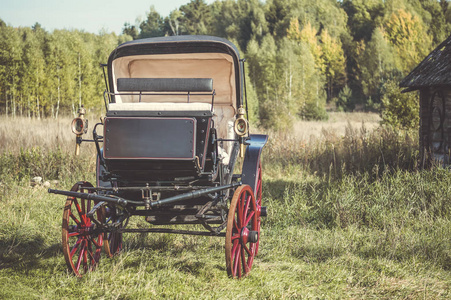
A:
26, 255
190, 267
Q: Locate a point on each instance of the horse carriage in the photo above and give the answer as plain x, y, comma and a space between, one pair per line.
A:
167, 150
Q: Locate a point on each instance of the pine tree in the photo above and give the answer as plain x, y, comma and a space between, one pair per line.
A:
153, 26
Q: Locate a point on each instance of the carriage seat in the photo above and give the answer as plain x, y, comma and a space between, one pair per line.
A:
160, 106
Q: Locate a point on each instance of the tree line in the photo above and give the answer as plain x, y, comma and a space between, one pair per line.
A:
301, 55
46, 74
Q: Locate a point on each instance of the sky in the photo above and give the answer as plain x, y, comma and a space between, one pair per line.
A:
88, 15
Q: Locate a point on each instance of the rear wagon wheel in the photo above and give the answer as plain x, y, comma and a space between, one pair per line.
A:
82, 241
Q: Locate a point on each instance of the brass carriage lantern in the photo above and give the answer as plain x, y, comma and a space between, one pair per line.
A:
241, 127
79, 127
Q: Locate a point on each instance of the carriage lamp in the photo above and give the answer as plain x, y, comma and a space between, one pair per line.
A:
241, 127
79, 127
241, 124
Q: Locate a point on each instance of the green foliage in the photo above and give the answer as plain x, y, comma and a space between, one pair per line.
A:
400, 109
334, 63
130, 30
43, 74
377, 65
196, 18
363, 17
153, 26
241, 20
407, 34
345, 101
314, 111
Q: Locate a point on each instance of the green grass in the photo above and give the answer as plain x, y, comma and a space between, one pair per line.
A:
378, 232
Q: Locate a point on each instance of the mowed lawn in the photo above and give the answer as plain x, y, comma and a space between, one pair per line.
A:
351, 216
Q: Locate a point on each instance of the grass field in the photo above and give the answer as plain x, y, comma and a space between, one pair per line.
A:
350, 217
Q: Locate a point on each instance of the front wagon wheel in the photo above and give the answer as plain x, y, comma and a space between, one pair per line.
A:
242, 232
81, 239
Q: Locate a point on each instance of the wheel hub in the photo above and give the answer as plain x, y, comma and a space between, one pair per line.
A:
248, 236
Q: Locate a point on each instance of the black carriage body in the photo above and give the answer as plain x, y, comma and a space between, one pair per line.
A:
167, 97
142, 148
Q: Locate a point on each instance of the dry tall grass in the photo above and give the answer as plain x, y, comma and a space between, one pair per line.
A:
346, 144
23, 133
20, 132
30, 147
336, 125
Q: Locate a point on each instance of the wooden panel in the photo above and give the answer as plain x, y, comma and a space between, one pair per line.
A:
438, 119
424, 126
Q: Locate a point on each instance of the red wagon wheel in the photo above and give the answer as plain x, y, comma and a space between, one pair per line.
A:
82, 244
242, 232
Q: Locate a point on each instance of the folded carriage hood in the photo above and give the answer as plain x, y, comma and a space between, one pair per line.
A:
181, 57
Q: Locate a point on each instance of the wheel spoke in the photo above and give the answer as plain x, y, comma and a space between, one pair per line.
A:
85, 257
88, 204
235, 246
90, 254
80, 212
235, 224
240, 206
252, 213
249, 252
243, 262
74, 249
97, 244
235, 236
80, 256
75, 219
236, 267
246, 210
259, 185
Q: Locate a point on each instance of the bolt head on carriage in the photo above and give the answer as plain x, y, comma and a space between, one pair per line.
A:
175, 128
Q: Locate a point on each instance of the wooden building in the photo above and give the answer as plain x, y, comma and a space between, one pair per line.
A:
432, 78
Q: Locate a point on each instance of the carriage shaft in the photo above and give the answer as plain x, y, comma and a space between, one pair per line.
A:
125, 202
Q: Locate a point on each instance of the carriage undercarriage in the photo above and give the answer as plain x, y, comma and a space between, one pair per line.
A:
94, 219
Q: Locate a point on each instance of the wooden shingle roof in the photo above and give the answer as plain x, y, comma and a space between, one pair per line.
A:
434, 70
